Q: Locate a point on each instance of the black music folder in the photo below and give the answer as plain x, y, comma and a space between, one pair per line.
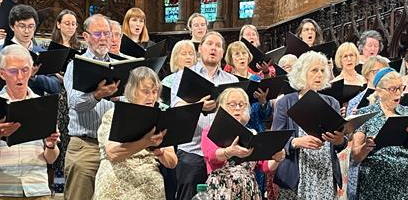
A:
258, 57
393, 133
37, 116
131, 122
89, 72
226, 128
297, 46
275, 86
166, 95
72, 52
342, 92
131, 48
404, 100
276, 54
52, 61
364, 101
194, 87
396, 64
279, 70
316, 117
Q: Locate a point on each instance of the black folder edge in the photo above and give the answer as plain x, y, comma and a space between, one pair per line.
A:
386, 138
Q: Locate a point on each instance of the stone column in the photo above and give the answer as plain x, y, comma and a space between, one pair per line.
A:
219, 20
181, 23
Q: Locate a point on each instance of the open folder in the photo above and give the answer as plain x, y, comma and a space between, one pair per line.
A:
342, 92
72, 52
194, 87
316, 117
89, 72
297, 46
131, 48
37, 116
364, 101
393, 133
226, 128
275, 86
131, 122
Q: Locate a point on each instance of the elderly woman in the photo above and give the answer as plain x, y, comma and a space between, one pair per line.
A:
310, 32
198, 26
23, 167
383, 172
182, 55
228, 180
370, 44
129, 170
134, 26
287, 61
310, 163
404, 70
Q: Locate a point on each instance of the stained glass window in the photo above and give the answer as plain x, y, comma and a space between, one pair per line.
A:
171, 11
209, 9
246, 9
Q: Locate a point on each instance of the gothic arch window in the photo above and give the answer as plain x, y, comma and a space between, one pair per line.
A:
208, 8
246, 9
171, 11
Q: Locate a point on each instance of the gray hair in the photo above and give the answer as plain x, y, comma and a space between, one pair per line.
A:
297, 77
113, 22
14, 50
136, 76
222, 99
369, 34
287, 58
91, 19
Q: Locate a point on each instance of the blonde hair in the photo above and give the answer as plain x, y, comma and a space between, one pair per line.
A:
136, 76
297, 76
175, 53
370, 63
137, 13
343, 48
390, 76
223, 97
236, 46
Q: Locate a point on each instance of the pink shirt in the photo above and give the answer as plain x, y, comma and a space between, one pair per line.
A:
208, 147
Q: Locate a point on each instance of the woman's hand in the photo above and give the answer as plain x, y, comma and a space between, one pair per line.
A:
279, 156
208, 105
52, 140
152, 139
236, 150
337, 138
261, 95
307, 142
368, 145
343, 111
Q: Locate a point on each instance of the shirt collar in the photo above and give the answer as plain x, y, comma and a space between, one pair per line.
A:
203, 70
5, 95
90, 54
30, 47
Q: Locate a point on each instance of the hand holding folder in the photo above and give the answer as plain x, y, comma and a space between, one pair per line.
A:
26, 112
225, 129
131, 122
316, 117
194, 87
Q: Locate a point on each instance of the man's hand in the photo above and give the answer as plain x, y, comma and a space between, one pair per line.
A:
8, 128
208, 105
104, 90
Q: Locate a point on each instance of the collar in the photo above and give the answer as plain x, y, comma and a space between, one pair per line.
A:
30, 47
203, 70
5, 95
90, 54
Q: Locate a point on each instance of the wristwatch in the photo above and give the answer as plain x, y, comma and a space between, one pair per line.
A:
48, 147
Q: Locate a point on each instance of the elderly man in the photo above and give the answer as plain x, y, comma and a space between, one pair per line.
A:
23, 167
85, 113
191, 169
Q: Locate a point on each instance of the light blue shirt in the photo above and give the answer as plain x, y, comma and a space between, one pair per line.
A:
85, 112
220, 77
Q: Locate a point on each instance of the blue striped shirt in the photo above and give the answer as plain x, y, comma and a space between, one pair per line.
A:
220, 77
85, 112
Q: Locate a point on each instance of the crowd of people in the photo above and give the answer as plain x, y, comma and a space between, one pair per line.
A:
336, 166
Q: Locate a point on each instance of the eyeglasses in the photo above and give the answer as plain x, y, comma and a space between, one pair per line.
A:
400, 88
24, 27
15, 71
234, 105
99, 34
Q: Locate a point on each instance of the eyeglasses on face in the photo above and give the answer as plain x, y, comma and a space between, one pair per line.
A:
234, 105
99, 34
24, 27
13, 71
395, 89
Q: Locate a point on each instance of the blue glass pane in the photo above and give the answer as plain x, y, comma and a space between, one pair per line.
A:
209, 10
246, 9
171, 14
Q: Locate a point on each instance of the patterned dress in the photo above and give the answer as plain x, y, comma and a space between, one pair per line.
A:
234, 182
384, 172
137, 177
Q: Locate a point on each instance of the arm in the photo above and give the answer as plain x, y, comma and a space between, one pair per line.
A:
51, 151
213, 154
47, 83
167, 156
362, 146
280, 119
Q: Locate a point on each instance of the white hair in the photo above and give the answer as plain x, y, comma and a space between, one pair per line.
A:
287, 58
14, 50
297, 77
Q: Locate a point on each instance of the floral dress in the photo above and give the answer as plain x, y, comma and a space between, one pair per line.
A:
137, 177
384, 172
234, 182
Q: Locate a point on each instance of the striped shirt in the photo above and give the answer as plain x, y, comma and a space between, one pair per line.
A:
85, 112
220, 77
23, 168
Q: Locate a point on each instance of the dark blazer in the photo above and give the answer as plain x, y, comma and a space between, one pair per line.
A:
287, 175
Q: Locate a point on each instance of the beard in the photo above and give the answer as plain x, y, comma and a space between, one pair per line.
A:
102, 51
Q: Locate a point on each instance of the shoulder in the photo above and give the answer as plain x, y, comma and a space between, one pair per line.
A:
329, 99
227, 76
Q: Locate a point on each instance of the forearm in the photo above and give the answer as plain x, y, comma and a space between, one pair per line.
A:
117, 152
358, 153
51, 155
82, 102
220, 156
168, 158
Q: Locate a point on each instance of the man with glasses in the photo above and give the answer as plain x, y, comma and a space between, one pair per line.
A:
85, 113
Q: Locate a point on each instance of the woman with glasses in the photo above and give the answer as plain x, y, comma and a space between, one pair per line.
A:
311, 169
129, 170
310, 32
383, 172
228, 180
134, 27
